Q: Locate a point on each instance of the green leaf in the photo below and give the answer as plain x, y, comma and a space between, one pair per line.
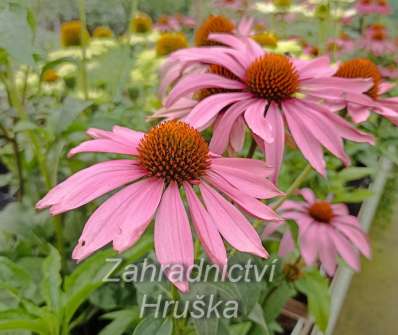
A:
242, 328
277, 300
206, 326
356, 196
316, 288
257, 316
154, 326
121, 321
38, 326
16, 36
355, 173
51, 282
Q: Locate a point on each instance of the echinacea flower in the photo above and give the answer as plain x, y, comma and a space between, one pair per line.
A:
370, 7
326, 230
361, 110
174, 67
71, 33
141, 23
167, 23
389, 71
102, 32
269, 91
170, 42
376, 40
171, 158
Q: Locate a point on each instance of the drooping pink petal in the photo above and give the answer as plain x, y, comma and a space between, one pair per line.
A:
89, 184
205, 228
222, 131
309, 243
294, 205
173, 237
102, 226
318, 67
327, 250
340, 209
237, 136
196, 82
355, 235
243, 165
256, 121
306, 142
102, 145
287, 244
385, 87
308, 195
232, 225
209, 107
274, 151
345, 249
247, 202
355, 85
248, 183
322, 129
139, 213
358, 113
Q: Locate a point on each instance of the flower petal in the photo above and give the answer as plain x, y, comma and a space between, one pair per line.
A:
232, 225
205, 228
345, 250
173, 237
256, 121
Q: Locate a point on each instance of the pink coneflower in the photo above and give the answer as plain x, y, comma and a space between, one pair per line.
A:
167, 23
360, 110
231, 4
270, 91
169, 159
325, 231
185, 21
174, 67
366, 7
340, 45
389, 71
376, 40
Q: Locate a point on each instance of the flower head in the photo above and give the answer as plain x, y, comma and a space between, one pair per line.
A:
326, 230
102, 32
167, 23
170, 159
368, 7
213, 24
71, 33
170, 42
266, 39
268, 91
360, 109
376, 40
50, 76
141, 23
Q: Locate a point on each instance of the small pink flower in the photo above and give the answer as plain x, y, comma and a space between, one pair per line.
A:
376, 40
171, 158
373, 102
368, 7
167, 23
389, 71
270, 92
231, 4
325, 231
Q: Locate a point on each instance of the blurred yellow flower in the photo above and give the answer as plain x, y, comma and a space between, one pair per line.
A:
50, 76
266, 39
141, 23
282, 3
71, 33
102, 32
170, 42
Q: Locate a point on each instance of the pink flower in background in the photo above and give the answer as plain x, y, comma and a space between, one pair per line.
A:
389, 71
360, 110
366, 7
231, 4
376, 40
185, 21
167, 23
325, 231
171, 158
340, 45
269, 91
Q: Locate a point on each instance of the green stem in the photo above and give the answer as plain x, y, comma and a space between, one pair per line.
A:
293, 187
133, 11
252, 149
16, 103
83, 38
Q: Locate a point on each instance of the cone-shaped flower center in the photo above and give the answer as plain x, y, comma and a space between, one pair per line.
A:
221, 71
361, 68
174, 151
321, 211
272, 77
170, 42
213, 24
